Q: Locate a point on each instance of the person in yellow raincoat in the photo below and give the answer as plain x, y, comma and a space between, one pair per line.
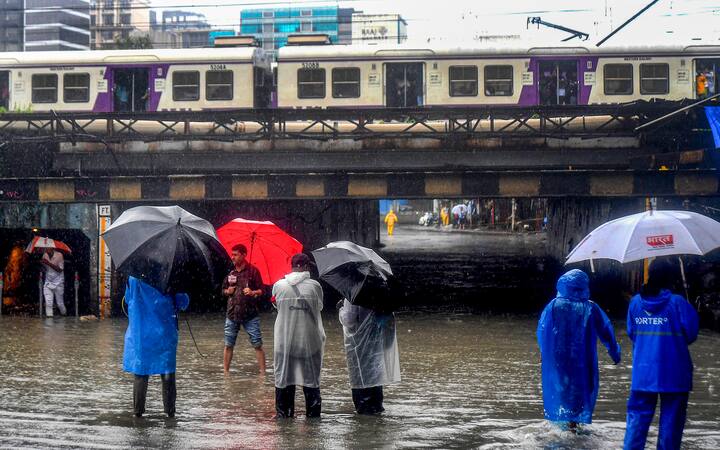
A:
390, 219
444, 216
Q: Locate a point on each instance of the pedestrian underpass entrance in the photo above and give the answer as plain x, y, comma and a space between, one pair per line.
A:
21, 272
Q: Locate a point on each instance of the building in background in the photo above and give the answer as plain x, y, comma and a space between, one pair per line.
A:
44, 25
117, 19
12, 35
52, 25
183, 29
219, 33
378, 28
272, 26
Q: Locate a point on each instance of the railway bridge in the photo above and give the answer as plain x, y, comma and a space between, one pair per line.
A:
318, 172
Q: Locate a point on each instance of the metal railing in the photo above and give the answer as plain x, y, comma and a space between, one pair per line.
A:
333, 123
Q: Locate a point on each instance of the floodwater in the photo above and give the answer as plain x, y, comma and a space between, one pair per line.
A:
468, 381
471, 271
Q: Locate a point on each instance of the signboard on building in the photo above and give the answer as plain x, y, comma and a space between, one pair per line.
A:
104, 262
368, 28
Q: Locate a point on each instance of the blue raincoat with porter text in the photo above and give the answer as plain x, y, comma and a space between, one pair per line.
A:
152, 336
661, 329
567, 335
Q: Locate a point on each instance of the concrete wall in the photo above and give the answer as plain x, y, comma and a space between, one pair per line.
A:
48, 218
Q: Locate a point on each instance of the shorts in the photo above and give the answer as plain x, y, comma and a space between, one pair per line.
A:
252, 328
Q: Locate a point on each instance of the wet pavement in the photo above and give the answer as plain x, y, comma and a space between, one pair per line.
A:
468, 381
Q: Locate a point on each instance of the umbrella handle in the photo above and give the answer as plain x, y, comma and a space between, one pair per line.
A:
684, 280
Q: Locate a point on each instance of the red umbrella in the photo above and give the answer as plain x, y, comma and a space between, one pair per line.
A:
42, 243
269, 247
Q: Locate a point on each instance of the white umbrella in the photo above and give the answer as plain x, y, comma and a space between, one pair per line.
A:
647, 235
459, 209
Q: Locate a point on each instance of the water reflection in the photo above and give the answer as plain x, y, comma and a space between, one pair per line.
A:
468, 381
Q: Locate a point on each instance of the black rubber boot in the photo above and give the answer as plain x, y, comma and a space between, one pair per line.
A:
285, 402
368, 400
140, 386
313, 402
169, 393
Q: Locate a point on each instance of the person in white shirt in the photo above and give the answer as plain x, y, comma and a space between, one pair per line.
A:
54, 285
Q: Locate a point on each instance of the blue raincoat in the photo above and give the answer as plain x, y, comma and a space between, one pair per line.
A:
567, 335
152, 336
661, 329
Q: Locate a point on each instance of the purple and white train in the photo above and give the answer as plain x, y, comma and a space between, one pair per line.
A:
353, 77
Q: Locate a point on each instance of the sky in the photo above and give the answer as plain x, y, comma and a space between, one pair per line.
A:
462, 21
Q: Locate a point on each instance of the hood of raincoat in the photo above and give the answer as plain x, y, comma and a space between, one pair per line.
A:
574, 285
657, 303
295, 278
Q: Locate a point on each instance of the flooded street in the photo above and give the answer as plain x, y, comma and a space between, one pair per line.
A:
468, 381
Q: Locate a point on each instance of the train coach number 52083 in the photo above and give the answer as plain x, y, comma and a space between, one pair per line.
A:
311, 65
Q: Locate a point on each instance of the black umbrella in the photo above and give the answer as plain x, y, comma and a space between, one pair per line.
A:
356, 272
168, 248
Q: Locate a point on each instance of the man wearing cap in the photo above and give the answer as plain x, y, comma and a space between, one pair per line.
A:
299, 339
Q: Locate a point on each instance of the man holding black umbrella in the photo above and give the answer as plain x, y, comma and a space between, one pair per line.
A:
151, 341
361, 276
242, 287
371, 347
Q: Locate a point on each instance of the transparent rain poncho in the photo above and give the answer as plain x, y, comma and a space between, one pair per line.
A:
371, 346
299, 332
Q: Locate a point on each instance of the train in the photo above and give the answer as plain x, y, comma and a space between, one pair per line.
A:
353, 76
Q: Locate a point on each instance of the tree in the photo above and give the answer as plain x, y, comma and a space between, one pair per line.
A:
133, 42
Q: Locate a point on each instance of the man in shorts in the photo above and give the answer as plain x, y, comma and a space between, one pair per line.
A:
243, 288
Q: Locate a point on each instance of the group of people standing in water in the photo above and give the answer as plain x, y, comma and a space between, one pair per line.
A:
369, 336
661, 326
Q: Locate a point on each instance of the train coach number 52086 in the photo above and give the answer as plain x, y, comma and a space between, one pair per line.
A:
311, 65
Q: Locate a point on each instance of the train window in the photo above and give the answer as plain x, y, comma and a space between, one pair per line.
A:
346, 83
463, 81
219, 85
311, 83
44, 88
654, 78
498, 81
76, 87
618, 79
186, 86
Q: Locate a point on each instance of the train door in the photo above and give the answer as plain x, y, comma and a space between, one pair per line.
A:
706, 77
131, 89
558, 82
404, 87
4, 90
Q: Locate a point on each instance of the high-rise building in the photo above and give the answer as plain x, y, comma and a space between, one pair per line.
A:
52, 25
272, 26
44, 25
378, 28
181, 29
12, 36
118, 19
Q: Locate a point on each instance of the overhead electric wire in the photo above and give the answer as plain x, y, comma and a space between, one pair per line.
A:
303, 5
